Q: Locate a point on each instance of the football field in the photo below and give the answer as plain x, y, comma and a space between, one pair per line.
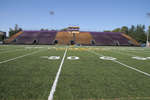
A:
43, 72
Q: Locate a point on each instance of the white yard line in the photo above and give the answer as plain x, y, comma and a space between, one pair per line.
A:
147, 74
142, 52
137, 70
18, 57
124, 53
13, 50
128, 53
50, 97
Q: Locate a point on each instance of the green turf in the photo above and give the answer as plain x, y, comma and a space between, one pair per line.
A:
89, 78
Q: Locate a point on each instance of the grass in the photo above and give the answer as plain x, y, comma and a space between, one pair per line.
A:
89, 78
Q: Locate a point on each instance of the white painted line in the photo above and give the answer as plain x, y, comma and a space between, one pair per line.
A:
96, 53
143, 51
124, 53
132, 53
18, 57
50, 97
147, 74
12, 50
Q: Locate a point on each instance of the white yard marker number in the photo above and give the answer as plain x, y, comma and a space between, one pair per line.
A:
139, 58
54, 57
73, 58
107, 58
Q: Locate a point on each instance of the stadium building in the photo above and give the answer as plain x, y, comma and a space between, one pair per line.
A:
2, 36
72, 36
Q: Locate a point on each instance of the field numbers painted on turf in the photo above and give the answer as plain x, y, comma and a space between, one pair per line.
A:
51, 57
54, 57
73, 58
107, 58
103, 58
141, 58
58, 57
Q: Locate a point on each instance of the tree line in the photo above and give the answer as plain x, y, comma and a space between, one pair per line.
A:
15, 30
138, 32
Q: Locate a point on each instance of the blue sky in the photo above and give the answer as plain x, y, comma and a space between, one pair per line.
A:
90, 15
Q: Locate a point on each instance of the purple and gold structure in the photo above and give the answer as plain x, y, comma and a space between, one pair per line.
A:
72, 36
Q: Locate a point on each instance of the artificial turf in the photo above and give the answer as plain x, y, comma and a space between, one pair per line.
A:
88, 78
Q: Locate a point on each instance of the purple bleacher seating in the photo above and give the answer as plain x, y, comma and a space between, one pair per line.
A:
27, 37
46, 37
109, 38
36, 37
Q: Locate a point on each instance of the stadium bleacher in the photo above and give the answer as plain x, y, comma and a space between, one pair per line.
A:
119, 38
36, 37
84, 38
46, 37
12, 38
27, 37
132, 41
110, 38
67, 38
64, 37
101, 38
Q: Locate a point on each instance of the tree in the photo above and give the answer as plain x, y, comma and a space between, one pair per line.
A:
107, 31
42, 29
137, 32
64, 29
148, 14
149, 31
131, 31
124, 29
140, 35
116, 30
16, 27
15, 30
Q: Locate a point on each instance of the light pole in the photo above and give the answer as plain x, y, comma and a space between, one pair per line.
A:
52, 13
147, 42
